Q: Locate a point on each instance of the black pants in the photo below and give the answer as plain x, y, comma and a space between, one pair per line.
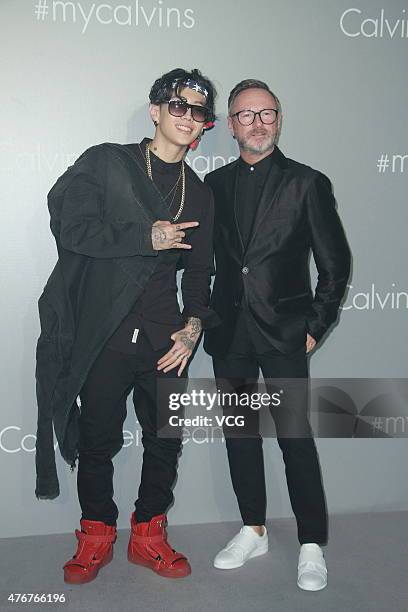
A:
245, 455
103, 412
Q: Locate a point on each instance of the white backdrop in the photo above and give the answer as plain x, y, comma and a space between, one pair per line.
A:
78, 73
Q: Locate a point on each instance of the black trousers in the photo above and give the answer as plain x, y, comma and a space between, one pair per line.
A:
103, 411
237, 370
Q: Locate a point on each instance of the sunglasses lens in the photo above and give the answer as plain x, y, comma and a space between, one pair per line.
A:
177, 108
199, 113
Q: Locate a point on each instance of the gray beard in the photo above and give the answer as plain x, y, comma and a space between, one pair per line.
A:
267, 145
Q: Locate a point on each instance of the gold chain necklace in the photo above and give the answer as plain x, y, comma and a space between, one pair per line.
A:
173, 190
183, 181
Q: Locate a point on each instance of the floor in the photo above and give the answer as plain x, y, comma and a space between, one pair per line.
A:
366, 558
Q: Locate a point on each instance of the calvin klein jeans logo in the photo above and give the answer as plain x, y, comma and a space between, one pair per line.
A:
379, 26
203, 164
33, 157
374, 299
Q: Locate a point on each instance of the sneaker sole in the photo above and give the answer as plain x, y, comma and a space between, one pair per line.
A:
313, 588
257, 553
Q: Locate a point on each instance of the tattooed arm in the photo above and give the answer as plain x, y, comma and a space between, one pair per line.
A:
195, 326
197, 265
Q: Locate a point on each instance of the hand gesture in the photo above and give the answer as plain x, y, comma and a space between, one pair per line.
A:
166, 235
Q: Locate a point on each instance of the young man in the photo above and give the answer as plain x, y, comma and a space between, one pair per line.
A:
125, 218
270, 214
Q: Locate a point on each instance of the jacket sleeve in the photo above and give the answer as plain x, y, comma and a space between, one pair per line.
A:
48, 365
198, 263
81, 214
331, 254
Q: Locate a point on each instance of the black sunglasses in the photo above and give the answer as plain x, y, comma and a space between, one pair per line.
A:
178, 108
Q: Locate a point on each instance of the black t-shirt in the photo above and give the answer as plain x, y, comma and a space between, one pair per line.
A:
157, 312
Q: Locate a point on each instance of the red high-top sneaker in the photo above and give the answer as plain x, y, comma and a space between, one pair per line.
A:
95, 549
148, 546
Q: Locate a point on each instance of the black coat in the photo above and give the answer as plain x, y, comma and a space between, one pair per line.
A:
296, 216
102, 209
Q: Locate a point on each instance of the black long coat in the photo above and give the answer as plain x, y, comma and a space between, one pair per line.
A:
102, 209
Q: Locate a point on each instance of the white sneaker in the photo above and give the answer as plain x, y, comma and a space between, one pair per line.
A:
312, 571
247, 544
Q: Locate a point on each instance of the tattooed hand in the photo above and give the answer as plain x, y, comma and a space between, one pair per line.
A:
165, 235
184, 343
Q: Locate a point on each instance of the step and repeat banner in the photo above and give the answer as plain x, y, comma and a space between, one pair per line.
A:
78, 73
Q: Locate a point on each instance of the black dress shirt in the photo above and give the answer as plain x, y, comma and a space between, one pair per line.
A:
157, 311
250, 183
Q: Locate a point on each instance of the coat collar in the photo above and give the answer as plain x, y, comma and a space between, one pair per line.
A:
279, 159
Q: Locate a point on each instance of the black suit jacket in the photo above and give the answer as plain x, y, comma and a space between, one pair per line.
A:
296, 216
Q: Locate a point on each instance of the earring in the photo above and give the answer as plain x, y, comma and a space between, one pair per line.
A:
155, 123
195, 143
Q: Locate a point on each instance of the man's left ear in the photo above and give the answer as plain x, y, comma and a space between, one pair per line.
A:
154, 110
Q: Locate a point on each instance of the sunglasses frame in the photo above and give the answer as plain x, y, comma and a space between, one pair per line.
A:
192, 107
249, 110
